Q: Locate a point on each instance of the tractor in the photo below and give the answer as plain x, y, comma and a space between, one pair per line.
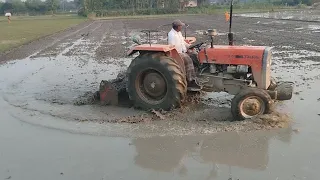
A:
156, 77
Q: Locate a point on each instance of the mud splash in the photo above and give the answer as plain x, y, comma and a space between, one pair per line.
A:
205, 110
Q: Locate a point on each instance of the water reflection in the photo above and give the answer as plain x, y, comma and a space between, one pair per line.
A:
244, 150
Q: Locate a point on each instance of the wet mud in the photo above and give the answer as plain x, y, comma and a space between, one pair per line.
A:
60, 79
49, 113
308, 15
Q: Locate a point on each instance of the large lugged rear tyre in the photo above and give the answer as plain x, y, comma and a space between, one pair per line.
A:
155, 81
249, 103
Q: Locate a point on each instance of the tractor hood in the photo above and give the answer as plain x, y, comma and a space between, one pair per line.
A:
231, 54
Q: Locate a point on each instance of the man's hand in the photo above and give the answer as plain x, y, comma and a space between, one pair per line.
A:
190, 40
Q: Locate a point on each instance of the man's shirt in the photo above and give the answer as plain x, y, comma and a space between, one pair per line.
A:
175, 38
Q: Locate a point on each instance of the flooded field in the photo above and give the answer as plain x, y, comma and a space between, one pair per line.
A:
41, 82
293, 15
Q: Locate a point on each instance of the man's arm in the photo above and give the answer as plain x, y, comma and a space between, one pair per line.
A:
171, 39
185, 43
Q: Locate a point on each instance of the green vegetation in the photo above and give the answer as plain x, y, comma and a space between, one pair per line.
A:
22, 30
105, 14
36, 7
106, 8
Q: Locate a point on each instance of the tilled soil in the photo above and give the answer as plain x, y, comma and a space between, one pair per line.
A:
59, 73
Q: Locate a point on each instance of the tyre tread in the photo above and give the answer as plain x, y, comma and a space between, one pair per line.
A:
179, 80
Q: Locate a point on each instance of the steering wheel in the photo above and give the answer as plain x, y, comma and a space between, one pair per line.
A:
196, 46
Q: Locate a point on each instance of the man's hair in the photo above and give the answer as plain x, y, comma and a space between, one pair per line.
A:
174, 26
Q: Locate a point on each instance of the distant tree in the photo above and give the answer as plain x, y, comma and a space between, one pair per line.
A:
52, 5
36, 6
79, 3
307, 2
202, 2
18, 6
66, 5
6, 7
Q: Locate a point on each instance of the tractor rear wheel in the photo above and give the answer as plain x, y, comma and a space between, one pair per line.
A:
250, 103
155, 81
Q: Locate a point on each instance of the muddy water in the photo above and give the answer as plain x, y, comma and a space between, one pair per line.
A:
43, 135
299, 15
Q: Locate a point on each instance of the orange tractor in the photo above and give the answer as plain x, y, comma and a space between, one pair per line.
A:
156, 78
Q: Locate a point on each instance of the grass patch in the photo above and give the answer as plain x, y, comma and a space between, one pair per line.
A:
192, 11
24, 29
189, 13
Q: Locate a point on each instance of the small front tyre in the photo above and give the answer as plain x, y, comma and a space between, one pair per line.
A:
250, 103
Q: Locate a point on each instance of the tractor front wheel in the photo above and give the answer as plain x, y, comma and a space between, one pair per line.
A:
250, 103
156, 81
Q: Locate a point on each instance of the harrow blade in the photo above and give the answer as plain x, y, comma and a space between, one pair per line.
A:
110, 91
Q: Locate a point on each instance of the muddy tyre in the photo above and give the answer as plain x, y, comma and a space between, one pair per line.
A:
250, 103
156, 81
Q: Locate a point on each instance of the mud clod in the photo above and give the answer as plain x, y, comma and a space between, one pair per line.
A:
296, 130
86, 99
274, 120
158, 114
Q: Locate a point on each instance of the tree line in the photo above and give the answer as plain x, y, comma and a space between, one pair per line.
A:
147, 7
121, 7
36, 7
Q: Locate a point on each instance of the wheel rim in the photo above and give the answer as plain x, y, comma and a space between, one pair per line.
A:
252, 106
151, 86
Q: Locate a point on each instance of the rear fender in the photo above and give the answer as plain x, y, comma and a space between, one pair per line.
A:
176, 56
169, 51
150, 48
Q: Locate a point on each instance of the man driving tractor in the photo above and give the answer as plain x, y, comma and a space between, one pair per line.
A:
175, 38
156, 80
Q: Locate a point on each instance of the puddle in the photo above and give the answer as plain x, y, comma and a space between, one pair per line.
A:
314, 27
51, 85
201, 32
298, 55
275, 22
285, 15
301, 28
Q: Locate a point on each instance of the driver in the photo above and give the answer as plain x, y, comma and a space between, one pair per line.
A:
175, 38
